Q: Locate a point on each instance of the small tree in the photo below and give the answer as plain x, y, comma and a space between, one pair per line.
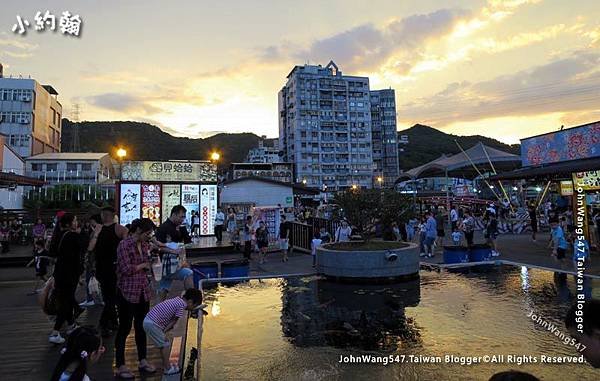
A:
364, 208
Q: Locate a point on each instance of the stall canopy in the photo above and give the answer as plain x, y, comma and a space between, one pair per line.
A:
460, 165
554, 171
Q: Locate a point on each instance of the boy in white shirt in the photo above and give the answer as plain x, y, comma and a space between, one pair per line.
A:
456, 237
316, 242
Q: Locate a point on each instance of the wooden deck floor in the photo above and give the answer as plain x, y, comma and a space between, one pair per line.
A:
24, 348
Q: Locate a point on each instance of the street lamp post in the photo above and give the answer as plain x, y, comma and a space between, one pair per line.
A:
121, 153
215, 157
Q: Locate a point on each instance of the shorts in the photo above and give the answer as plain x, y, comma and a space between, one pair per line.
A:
262, 244
155, 333
181, 274
534, 226
441, 233
284, 243
560, 253
429, 241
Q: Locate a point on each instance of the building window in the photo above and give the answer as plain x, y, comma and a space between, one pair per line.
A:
72, 167
36, 167
51, 167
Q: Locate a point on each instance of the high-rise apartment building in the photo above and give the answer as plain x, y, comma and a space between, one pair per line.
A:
30, 116
385, 144
325, 127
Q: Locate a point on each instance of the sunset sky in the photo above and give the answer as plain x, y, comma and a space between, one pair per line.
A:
505, 69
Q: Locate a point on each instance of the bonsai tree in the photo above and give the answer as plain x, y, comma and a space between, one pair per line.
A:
365, 208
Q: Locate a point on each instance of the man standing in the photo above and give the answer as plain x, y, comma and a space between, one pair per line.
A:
468, 226
284, 237
439, 223
219, 221
533, 220
174, 230
454, 217
106, 269
173, 227
431, 230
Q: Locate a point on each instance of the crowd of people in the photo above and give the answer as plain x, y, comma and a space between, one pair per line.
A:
119, 264
430, 228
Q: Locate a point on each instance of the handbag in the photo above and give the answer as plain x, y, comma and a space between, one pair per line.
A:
170, 264
47, 298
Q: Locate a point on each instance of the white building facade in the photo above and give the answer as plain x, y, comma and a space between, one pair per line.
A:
267, 152
11, 162
30, 116
325, 127
72, 167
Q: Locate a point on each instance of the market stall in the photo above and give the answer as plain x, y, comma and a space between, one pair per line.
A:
149, 189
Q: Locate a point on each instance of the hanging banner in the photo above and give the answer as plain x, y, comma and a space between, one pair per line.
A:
171, 196
575, 143
206, 224
151, 202
129, 202
189, 199
208, 209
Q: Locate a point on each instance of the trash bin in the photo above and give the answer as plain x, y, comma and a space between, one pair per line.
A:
480, 253
456, 254
204, 270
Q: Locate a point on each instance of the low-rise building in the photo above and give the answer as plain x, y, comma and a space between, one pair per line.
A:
268, 151
262, 192
274, 171
72, 167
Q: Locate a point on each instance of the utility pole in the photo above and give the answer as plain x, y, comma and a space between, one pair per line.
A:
75, 146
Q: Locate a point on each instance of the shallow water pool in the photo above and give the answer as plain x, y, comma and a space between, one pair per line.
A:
299, 328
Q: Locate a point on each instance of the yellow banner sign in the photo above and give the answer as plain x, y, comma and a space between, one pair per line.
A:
587, 180
176, 171
566, 188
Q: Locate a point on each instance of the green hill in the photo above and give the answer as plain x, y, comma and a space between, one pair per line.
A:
144, 141
427, 144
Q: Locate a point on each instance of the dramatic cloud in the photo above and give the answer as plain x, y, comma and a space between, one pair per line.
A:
568, 84
367, 47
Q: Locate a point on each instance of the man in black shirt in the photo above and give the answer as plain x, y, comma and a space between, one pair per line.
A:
173, 227
284, 237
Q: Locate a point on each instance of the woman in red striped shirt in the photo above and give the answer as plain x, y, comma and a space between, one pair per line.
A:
134, 293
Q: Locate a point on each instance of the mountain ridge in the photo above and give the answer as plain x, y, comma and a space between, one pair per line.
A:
425, 143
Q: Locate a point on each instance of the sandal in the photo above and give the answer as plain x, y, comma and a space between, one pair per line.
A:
174, 369
125, 375
147, 369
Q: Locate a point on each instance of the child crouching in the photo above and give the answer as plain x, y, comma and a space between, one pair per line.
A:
163, 318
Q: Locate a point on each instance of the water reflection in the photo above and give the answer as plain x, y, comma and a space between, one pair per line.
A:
326, 313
